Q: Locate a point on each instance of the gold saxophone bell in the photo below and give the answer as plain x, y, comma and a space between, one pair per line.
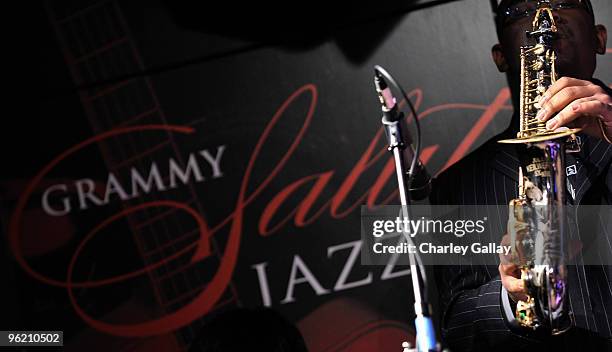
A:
541, 186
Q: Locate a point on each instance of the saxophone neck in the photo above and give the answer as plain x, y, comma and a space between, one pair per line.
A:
544, 20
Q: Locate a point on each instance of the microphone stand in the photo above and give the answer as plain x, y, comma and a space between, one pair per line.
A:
392, 123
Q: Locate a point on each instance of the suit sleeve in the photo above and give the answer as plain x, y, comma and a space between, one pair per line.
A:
473, 317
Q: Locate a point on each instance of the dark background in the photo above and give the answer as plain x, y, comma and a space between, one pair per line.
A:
225, 71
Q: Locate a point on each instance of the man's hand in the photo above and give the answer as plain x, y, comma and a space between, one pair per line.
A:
509, 271
510, 275
578, 104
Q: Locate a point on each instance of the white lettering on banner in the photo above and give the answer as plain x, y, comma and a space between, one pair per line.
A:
113, 186
138, 181
341, 282
388, 273
262, 278
57, 199
183, 175
65, 202
307, 276
85, 190
214, 162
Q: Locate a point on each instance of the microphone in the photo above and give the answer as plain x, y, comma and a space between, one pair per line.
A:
419, 181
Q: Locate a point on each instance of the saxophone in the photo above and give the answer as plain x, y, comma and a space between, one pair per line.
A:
539, 207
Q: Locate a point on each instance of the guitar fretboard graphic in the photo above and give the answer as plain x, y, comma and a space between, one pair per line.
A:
98, 47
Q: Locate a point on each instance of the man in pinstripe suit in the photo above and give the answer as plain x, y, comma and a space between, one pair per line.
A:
478, 313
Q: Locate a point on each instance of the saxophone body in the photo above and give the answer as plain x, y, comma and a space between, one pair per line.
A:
538, 246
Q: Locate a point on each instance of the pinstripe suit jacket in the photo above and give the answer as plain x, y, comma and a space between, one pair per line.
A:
473, 317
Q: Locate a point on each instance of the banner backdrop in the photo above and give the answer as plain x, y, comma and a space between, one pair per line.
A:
182, 170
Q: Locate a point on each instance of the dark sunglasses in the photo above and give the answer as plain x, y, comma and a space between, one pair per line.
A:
517, 9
